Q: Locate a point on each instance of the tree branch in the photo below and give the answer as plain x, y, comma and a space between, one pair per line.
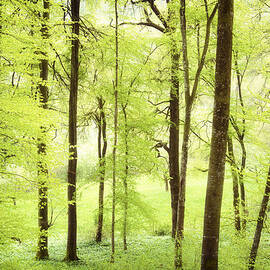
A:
149, 23
157, 13
205, 49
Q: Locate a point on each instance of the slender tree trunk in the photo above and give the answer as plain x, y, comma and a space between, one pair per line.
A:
236, 198
184, 153
259, 227
209, 259
182, 191
115, 129
71, 253
189, 100
102, 163
240, 172
174, 135
125, 182
241, 136
42, 249
242, 185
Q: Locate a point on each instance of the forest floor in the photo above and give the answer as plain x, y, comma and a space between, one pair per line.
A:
149, 243
144, 253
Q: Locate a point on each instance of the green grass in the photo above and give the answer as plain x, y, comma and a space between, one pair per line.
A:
149, 244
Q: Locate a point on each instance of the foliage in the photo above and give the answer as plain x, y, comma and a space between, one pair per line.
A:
144, 72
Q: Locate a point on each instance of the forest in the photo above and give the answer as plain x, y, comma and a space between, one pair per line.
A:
134, 134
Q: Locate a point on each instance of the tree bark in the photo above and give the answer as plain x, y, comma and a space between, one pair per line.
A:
174, 135
209, 259
242, 185
259, 227
236, 198
42, 248
71, 253
184, 153
102, 163
125, 181
115, 128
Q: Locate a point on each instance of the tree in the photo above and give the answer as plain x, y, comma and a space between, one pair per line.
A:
241, 132
190, 96
42, 252
125, 177
174, 121
209, 259
102, 148
236, 198
115, 126
71, 252
259, 226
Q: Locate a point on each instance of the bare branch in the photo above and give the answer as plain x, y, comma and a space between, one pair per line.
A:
150, 24
205, 49
155, 9
206, 9
15, 174
161, 144
60, 60
157, 13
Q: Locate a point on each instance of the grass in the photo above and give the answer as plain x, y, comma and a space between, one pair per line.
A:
149, 244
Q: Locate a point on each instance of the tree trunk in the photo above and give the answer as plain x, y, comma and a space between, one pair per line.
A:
236, 199
259, 227
174, 135
182, 190
102, 163
42, 249
115, 128
184, 153
209, 259
71, 253
189, 100
242, 185
241, 137
125, 182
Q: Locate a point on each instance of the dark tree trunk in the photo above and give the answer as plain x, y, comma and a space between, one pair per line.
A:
242, 185
125, 181
115, 128
42, 249
236, 198
259, 227
71, 254
209, 259
174, 135
102, 163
